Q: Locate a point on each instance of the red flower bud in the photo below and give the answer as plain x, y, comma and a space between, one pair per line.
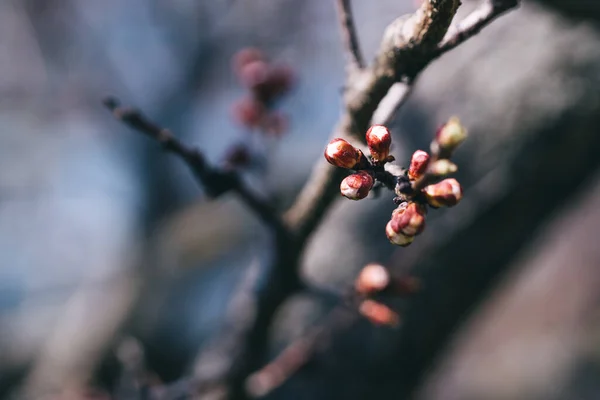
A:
418, 164
397, 238
445, 193
378, 313
409, 220
379, 140
249, 112
357, 186
373, 278
342, 154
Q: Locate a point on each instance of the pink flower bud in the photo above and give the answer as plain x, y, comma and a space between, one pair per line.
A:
378, 313
418, 164
449, 136
246, 56
254, 74
357, 186
443, 167
342, 154
397, 238
445, 193
379, 140
409, 220
249, 112
373, 278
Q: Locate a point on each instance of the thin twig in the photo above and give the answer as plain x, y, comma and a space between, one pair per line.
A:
298, 353
214, 181
349, 36
473, 23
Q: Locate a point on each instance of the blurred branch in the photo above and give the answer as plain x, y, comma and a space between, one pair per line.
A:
215, 182
297, 354
349, 36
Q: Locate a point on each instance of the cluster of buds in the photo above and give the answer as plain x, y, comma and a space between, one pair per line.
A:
424, 184
342, 154
266, 84
375, 280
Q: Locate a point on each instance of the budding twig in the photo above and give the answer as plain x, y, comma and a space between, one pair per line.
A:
214, 181
349, 36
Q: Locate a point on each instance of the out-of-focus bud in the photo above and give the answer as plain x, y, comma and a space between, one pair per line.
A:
249, 112
254, 74
357, 186
379, 141
238, 156
418, 164
443, 167
373, 278
279, 81
342, 154
445, 193
409, 219
246, 56
449, 136
378, 313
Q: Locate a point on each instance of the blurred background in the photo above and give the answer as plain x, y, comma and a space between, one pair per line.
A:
107, 244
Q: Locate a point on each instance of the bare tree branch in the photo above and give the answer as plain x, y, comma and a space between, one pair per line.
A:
349, 36
215, 182
473, 23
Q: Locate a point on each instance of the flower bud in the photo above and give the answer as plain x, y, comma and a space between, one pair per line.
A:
378, 313
445, 193
409, 220
418, 164
246, 56
443, 167
254, 74
379, 141
249, 112
373, 278
342, 154
357, 186
449, 136
397, 238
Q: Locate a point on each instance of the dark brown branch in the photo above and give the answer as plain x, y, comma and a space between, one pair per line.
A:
300, 352
349, 36
473, 23
214, 181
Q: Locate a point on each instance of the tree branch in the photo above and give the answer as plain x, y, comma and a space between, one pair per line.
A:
349, 36
473, 23
214, 181
400, 58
